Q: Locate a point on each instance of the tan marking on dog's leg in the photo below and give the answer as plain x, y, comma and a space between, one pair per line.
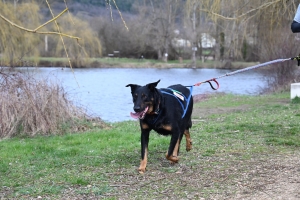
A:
167, 127
143, 164
175, 151
188, 140
145, 126
174, 157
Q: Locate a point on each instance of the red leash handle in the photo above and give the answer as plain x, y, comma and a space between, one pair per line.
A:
214, 80
211, 85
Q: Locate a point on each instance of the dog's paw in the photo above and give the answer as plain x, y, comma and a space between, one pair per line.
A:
172, 162
173, 159
142, 170
189, 146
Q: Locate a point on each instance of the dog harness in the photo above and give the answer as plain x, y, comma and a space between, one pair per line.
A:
181, 98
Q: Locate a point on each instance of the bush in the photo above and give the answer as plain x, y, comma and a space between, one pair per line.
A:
279, 76
32, 106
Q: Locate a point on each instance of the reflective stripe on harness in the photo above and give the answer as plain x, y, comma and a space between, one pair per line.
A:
177, 95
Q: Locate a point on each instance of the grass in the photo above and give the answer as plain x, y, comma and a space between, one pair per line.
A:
103, 163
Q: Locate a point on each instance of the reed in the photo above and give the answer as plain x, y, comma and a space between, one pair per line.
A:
31, 106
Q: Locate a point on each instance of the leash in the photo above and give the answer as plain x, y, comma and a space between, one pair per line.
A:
181, 97
243, 70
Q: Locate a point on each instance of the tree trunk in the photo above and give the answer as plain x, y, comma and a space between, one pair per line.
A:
159, 56
194, 48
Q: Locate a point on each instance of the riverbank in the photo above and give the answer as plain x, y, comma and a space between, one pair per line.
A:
244, 147
124, 63
132, 63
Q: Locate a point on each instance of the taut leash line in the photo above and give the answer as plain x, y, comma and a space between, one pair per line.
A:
245, 69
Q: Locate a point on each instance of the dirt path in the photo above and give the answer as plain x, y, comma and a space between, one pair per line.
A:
264, 178
274, 177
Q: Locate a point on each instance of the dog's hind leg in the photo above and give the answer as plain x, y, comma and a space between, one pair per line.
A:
188, 136
188, 140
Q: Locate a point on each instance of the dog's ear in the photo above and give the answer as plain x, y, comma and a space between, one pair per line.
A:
151, 86
133, 87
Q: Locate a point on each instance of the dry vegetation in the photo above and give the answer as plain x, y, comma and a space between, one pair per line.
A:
33, 106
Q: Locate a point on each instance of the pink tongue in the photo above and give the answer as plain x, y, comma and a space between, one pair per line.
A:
140, 115
135, 115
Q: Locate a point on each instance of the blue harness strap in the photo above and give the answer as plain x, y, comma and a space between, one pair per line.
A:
187, 99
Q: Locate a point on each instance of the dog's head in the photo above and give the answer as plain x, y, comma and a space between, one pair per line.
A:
145, 99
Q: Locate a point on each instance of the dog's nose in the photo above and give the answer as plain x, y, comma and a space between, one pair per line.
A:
137, 109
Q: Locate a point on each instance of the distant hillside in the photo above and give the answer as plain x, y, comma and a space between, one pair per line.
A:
123, 5
88, 8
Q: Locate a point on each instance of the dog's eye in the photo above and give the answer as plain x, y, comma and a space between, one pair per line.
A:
135, 97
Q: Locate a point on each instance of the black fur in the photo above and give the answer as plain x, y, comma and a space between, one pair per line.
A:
164, 115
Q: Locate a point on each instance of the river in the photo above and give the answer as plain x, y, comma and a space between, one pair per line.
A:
103, 93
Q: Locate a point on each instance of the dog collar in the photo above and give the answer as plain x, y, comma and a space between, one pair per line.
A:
157, 110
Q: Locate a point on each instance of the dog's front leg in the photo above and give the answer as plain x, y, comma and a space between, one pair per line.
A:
172, 153
144, 150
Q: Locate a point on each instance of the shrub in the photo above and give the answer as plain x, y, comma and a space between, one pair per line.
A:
279, 76
32, 106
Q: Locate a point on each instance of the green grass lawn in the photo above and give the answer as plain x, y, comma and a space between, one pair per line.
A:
103, 163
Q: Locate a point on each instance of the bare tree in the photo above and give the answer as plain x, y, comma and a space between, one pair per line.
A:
248, 21
160, 29
193, 21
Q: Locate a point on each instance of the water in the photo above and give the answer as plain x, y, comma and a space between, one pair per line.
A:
103, 93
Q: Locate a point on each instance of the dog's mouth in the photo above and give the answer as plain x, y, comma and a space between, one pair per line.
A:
139, 115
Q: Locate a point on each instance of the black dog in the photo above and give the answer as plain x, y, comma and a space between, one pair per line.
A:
168, 111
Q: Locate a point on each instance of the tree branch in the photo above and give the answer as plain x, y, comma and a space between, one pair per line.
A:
242, 15
40, 32
51, 19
